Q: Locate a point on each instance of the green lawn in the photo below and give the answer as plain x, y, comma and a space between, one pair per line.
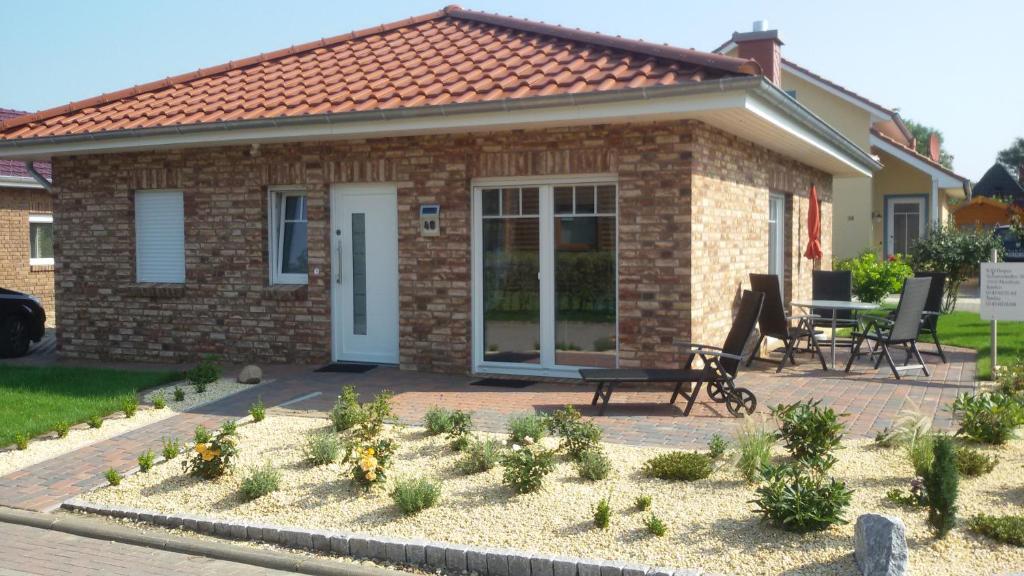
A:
33, 400
967, 329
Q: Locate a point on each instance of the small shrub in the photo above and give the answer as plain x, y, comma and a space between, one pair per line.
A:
921, 453
886, 438
801, 499
371, 461
989, 417
261, 481
95, 421
146, 460
686, 466
229, 427
1011, 376
642, 502
807, 430
201, 435
258, 410
203, 374
179, 394
754, 444
159, 402
346, 412
526, 466
875, 278
970, 462
62, 428
909, 426
717, 446
21, 441
577, 435
917, 496
415, 494
113, 476
171, 448
129, 405
438, 421
942, 486
594, 464
602, 514
1006, 529
527, 428
655, 526
322, 448
214, 457
461, 427
479, 456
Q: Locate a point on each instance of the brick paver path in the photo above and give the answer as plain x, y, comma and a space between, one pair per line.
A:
27, 550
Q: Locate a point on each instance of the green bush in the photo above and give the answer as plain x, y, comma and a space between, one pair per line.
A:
322, 448
921, 452
602, 514
917, 496
203, 374
942, 486
479, 456
113, 476
461, 430
171, 448
179, 394
642, 502
989, 417
159, 402
685, 466
577, 435
970, 462
527, 428
201, 434
129, 405
1005, 529
229, 427
95, 421
261, 481
21, 441
956, 252
801, 499
258, 410
415, 494
1010, 377
346, 411
214, 456
874, 279
438, 420
526, 466
146, 460
808, 431
62, 429
754, 444
717, 446
594, 464
655, 526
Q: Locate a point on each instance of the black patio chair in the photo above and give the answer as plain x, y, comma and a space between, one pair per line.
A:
718, 372
933, 310
900, 329
832, 285
775, 323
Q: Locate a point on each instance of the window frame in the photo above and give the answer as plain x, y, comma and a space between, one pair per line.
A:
277, 196
38, 219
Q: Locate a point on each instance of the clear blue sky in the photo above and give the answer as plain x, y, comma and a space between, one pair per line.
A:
936, 61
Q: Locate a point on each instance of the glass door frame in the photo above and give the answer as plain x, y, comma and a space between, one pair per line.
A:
546, 225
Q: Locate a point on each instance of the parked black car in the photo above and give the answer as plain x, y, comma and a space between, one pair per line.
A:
22, 321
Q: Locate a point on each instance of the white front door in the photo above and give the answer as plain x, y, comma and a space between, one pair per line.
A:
905, 223
364, 301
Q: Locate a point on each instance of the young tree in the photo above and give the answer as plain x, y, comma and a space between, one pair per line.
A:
956, 252
922, 133
1013, 157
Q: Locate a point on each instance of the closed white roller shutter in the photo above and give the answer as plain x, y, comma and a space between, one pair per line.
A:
160, 236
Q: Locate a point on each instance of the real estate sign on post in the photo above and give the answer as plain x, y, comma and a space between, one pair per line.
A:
1002, 291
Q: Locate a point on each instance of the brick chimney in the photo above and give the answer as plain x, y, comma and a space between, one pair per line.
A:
762, 46
934, 148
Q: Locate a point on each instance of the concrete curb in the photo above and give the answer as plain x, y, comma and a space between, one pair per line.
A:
425, 553
91, 528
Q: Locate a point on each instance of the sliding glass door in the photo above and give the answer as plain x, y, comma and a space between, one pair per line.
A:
544, 272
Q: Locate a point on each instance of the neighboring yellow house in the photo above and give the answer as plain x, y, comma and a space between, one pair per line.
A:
889, 212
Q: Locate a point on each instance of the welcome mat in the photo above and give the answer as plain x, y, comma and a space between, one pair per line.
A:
503, 383
348, 367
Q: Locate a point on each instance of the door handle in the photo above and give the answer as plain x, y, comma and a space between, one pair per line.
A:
338, 244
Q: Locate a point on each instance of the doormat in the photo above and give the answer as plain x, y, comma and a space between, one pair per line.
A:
503, 383
348, 367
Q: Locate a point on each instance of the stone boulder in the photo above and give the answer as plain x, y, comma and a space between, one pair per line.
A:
880, 546
251, 374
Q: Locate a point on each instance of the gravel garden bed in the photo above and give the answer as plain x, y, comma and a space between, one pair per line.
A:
710, 523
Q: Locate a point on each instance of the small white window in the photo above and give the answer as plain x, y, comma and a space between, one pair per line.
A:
160, 236
776, 235
40, 239
289, 249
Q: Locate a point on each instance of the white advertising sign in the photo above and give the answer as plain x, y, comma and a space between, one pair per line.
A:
1002, 291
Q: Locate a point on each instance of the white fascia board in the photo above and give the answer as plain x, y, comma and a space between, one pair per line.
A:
944, 180
877, 114
19, 182
771, 114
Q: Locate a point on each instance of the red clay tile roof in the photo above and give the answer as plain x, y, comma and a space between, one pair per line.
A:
450, 56
16, 168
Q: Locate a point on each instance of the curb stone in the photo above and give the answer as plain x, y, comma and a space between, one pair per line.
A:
431, 554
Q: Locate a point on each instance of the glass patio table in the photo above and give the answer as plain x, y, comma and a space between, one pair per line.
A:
835, 306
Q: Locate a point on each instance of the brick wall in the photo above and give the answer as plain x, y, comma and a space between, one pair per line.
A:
16, 204
227, 306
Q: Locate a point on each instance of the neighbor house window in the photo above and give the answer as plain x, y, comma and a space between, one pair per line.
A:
289, 250
160, 236
40, 239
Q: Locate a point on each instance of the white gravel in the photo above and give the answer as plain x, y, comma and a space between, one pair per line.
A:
711, 523
116, 424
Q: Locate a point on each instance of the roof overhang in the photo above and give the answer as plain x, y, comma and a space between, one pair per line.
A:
18, 182
942, 177
749, 107
878, 114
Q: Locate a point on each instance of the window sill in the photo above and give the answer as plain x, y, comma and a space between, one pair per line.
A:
154, 290
286, 292
34, 267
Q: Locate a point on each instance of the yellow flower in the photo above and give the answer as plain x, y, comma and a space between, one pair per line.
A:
371, 476
201, 447
369, 451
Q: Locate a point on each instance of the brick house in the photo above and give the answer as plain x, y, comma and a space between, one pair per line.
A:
26, 230
454, 192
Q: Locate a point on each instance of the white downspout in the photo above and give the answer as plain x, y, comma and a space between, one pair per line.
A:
936, 212
37, 176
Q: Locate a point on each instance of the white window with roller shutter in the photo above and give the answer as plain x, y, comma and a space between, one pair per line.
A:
160, 236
